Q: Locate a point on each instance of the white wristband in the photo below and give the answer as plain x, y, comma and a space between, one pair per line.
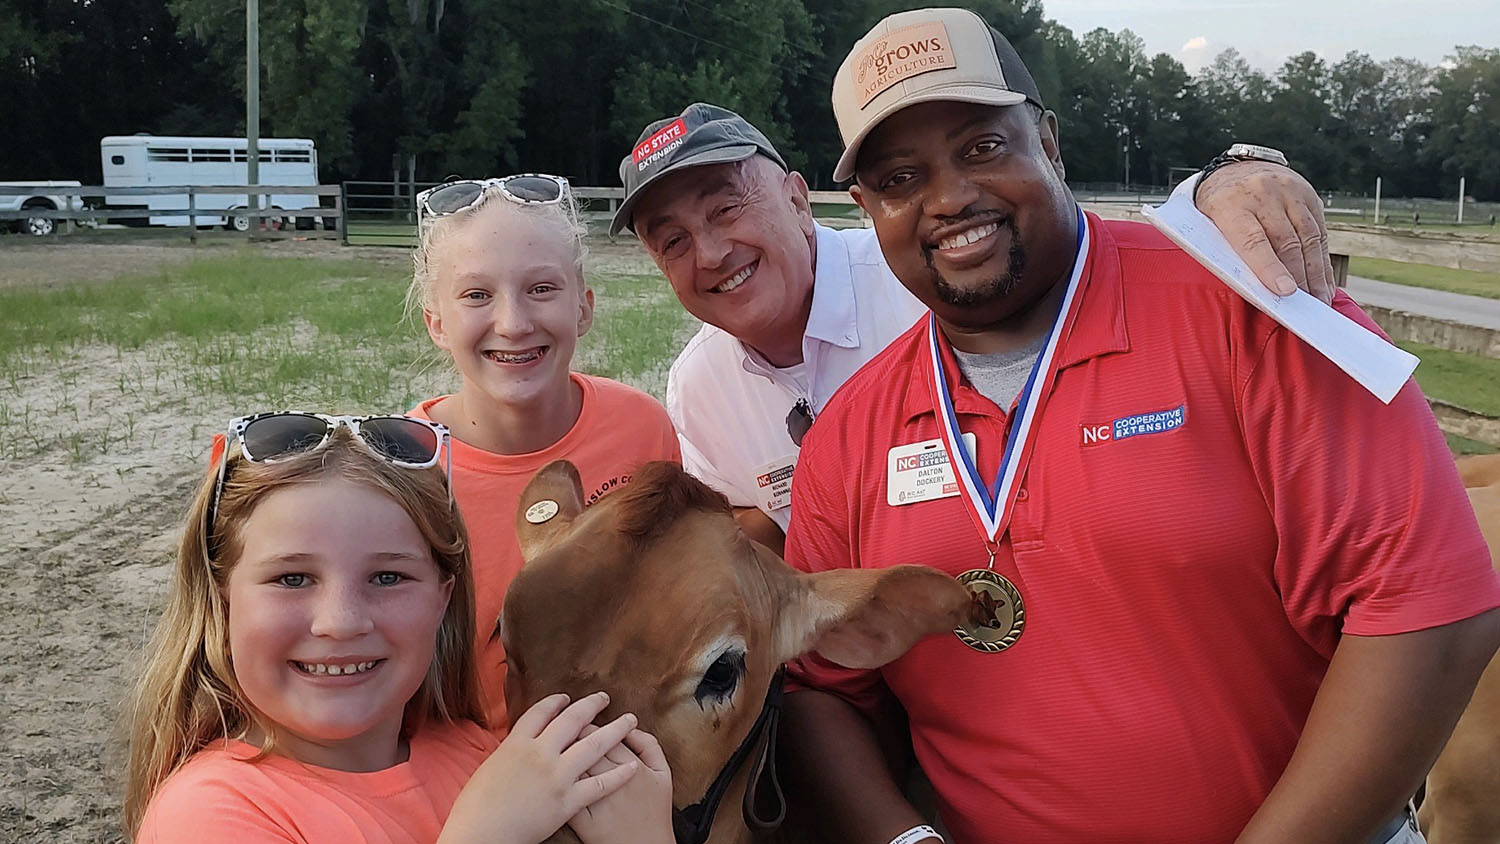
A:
917, 833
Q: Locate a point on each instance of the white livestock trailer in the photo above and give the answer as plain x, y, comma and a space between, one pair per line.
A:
152, 160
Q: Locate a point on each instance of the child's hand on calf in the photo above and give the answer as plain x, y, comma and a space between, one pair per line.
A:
640, 812
543, 773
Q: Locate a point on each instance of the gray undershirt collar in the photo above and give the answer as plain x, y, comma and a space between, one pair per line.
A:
999, 377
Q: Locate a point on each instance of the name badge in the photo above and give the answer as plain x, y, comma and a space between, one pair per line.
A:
921, 472
773, 483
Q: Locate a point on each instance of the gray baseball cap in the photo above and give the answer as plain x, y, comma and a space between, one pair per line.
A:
701, 134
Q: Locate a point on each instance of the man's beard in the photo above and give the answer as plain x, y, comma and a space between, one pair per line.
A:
997, 287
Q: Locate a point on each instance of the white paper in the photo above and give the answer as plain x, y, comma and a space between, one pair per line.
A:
1377, 365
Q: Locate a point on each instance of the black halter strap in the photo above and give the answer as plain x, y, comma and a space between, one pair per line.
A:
765, 805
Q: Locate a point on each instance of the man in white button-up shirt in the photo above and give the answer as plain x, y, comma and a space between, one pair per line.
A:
731, 405
792, 308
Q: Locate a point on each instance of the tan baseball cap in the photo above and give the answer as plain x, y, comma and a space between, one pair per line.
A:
922, 56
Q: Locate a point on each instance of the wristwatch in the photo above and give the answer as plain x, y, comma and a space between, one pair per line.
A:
1239, 152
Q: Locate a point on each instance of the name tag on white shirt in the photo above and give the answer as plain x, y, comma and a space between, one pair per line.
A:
773, 483
921, 472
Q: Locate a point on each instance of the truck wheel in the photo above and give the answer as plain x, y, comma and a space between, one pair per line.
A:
239, 224
39, 226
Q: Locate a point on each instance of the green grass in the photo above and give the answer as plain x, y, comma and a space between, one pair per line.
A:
278, 330
200, 300
252, 332
822, 210
1464, 445
1466, 380
1424, 275
638, 329
1479, 227
380, 233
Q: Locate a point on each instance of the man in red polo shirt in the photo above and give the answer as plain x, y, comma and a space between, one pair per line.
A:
1227, 594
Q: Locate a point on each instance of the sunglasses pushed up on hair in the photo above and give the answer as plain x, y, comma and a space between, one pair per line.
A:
404, 441
522, 189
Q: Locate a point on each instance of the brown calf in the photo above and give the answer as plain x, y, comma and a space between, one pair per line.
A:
1479, 470
1462, 805
655, 595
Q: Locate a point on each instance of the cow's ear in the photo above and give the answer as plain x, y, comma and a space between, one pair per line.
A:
549, 504
865, 618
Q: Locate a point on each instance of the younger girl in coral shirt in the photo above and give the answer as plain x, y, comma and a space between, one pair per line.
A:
312, 678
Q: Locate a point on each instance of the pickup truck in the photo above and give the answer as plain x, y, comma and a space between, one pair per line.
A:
39, 197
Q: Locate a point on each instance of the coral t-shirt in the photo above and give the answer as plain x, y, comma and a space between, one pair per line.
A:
618, 429
224, 794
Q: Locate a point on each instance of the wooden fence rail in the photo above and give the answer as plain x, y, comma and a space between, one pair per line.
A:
1480, 253
1456, 251
1440, 249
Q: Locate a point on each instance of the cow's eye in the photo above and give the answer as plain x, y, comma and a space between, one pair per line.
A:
719, 681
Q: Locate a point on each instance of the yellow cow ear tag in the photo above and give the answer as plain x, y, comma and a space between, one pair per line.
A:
542, 511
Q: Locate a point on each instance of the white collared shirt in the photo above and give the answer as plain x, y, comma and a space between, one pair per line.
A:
730, 406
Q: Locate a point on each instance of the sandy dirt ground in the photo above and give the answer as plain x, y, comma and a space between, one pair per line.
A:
85, 544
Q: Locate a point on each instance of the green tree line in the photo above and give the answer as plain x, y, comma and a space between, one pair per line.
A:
487, 86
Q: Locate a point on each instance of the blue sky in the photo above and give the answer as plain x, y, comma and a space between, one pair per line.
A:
1267, 31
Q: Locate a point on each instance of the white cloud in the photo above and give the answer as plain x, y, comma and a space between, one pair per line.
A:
1194, 54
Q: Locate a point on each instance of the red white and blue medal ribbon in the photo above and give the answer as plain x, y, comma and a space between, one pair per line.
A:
998, 615
990, 506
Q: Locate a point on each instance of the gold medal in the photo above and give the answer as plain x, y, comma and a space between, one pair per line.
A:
997, 615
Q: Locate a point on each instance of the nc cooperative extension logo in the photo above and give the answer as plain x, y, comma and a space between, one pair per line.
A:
1155, 422
774, 477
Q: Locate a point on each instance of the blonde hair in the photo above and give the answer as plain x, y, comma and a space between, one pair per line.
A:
188, 697
432, 231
